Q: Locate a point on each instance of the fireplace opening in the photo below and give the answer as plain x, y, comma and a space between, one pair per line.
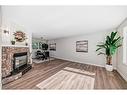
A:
20, 61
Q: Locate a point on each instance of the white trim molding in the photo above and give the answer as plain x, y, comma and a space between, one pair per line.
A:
122, 74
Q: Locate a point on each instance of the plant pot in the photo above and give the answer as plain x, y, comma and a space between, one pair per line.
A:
109, 67
26, 44
13, 42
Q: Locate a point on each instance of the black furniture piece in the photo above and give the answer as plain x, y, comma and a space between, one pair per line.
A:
40, 55
46, 55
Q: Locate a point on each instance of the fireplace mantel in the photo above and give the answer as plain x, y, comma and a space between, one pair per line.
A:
14, 46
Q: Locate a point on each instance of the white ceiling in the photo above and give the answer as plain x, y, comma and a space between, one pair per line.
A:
61, 21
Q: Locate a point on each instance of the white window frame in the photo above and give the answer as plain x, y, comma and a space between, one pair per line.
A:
125, 45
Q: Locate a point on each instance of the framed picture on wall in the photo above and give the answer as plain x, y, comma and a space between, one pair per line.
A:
35, 45
82, 46
52, 47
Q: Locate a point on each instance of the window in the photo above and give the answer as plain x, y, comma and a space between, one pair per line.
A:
125, 45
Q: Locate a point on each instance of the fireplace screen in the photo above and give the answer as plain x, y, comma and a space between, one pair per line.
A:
20, 59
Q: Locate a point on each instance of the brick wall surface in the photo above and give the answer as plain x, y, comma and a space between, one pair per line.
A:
7, 58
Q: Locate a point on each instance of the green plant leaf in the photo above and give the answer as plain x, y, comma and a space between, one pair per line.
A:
107, 51
116, 40
119, 45
102, 46
101, 53
98, 49
110, 45
108, 40
112, 50
113, 34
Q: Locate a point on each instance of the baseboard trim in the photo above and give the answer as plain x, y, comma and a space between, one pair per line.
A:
79, 62
125, 77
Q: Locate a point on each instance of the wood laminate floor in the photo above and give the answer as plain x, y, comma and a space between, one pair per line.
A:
43, 71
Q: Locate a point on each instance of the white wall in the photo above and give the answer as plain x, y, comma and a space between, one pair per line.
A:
121, 67
66, 49
12, 27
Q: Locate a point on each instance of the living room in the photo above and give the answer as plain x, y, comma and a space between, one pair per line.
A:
57, 47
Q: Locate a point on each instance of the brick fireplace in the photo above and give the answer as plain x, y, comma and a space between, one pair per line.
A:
8, 53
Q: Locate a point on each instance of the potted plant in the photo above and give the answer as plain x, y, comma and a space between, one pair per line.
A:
109, 47
12, 42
